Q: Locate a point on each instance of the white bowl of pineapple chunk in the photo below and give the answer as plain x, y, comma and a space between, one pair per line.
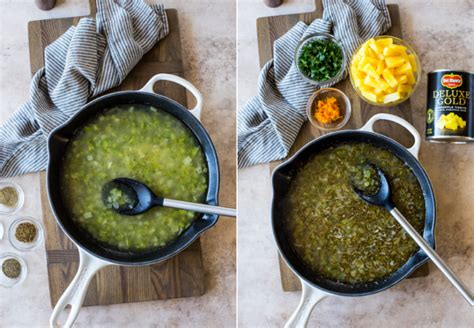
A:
385, 71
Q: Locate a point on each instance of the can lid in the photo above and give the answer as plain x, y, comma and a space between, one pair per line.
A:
451, 139
450, 71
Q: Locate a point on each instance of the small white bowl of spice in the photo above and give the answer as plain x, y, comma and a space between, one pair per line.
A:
26, 233
12, 269
11, 197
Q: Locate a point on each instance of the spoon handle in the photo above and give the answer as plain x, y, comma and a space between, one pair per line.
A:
465, 292
201, 208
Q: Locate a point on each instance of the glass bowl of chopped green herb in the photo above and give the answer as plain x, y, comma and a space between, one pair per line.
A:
12, 269
26, 233
320, 59
11, 197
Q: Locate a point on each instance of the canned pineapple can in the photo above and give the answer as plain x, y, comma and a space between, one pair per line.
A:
449, 113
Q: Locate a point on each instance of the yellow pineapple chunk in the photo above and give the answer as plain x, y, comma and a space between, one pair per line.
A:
451, 121
412, 60
387, 51
403, 79
370, 70
392, 97
394, 61
383, 84
389, 78
368, 53
355, 63
411, 78
404, 69
380, 67
384, 42
365, 61
380, 56
357, 76
398, 47
375, 47
394, 50
403, 88
379, 92
365, 88
371, 82
364, 50
370, 96
361, 75
354, 71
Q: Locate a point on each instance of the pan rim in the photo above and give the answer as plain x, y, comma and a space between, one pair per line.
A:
418, 258
208, 220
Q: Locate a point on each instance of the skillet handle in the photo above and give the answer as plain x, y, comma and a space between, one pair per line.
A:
196, 111
414, 150
310, 296
75, 293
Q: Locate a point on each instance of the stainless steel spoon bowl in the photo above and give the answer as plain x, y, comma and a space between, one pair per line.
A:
383, 197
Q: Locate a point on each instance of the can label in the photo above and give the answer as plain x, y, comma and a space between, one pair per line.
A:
449, 113
451, 81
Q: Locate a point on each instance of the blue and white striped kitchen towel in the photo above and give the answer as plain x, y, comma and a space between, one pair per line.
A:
269, 122
87, 60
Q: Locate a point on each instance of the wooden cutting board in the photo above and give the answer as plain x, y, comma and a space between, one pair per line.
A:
181, 276
271, 28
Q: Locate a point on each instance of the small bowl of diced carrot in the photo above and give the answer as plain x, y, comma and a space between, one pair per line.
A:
328, 109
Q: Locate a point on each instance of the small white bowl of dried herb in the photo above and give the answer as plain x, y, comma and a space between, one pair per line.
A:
320, 59
12, 270
26, 233
11, 197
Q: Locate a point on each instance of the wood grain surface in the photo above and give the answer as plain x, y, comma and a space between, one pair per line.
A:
181, 276
271, 28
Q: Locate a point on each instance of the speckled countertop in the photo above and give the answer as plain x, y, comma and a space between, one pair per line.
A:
442, 33
208, 37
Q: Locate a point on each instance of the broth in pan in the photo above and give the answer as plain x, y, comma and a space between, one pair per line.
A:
338, 235
142, 143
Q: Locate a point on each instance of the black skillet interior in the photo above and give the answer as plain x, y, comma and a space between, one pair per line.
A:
57, 144
281, 182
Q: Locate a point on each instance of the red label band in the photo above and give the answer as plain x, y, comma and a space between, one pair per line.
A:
451, 81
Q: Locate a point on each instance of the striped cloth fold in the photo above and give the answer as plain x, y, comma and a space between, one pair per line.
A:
85, 61
269, 122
